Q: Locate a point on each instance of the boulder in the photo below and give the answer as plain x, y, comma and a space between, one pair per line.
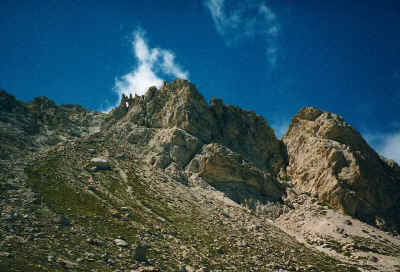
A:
171, 145
100, 163
218, 165
120, 242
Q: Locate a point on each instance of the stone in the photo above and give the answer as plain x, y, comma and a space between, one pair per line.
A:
9, 216
66, 263
147, 269
339, 230
373, 259
187, 268
120, 242
101, 163
218, 164
348, 222
5, 254
95, 242
171, 145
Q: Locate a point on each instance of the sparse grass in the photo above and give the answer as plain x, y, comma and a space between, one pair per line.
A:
210, 237
334, 245
370, 245
60, 196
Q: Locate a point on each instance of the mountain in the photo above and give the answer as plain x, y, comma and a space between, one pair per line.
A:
169, 182
329, 159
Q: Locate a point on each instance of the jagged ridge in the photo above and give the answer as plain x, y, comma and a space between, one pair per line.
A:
165, 159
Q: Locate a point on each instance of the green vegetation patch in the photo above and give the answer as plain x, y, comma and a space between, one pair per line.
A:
58, 195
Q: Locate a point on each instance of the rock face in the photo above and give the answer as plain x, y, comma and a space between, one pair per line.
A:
180, 105
247, 133
217, 165
173, 128
189, 186
329, 159
41, 123
176, 104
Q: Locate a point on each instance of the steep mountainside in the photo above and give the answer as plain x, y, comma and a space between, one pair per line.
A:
167, 182
40, 123
330, 160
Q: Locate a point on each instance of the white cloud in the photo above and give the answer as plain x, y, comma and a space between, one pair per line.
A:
223, 22
152, 63
387, 145
246, 19
169, 66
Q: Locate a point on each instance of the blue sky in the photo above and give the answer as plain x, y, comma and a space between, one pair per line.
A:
273, 57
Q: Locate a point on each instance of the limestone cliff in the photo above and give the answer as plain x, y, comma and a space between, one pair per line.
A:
169, 126
329, 159
169, 182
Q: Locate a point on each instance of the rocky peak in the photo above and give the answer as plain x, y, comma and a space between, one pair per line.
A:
41, 123
248, 134
168, 173
176, 104
179, 104
328, 126
41, 103
330, 159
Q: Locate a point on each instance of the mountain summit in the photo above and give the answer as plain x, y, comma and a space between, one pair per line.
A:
169, 182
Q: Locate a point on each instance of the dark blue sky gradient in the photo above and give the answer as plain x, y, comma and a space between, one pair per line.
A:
340, 56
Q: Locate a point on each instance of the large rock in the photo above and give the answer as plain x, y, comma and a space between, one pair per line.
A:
171, 145
173, 128
100, 163
179, 105
218, 165
120, 242
329, 159
247, 133
41, 123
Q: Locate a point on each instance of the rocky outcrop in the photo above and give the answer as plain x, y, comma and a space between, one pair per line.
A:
169, 175
177, 104
174, 128
180, 105
171, 146
100, 164
16, 124
329, 159
41, 123
248, 134
218, 165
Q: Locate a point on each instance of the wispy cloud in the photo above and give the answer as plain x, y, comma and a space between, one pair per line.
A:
246, 19
387, 144
152, 65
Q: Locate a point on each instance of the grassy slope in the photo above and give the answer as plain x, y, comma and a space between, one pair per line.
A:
178, 225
